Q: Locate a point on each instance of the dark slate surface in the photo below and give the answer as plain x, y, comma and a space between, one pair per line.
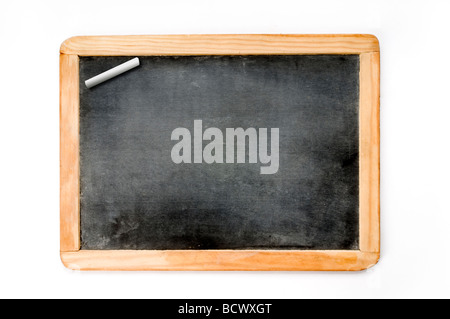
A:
134, 197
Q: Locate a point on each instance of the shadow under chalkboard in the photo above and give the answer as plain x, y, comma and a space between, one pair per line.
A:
134, 196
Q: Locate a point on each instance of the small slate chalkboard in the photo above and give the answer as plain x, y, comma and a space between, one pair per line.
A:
200, 154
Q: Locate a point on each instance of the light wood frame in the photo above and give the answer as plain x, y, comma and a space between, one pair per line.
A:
366, 46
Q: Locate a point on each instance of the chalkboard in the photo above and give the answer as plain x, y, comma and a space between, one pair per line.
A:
133, 195
220, 152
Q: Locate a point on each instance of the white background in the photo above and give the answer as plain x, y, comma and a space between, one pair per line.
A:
415, 152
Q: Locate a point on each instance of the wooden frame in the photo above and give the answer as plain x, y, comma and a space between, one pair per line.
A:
366, 46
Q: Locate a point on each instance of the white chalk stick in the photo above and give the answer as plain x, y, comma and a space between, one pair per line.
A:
105, 76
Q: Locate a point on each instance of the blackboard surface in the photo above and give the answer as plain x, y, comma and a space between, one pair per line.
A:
133, 196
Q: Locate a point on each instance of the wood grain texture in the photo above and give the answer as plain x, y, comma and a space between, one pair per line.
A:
219, 260
369, 194
69, 154
219, 45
